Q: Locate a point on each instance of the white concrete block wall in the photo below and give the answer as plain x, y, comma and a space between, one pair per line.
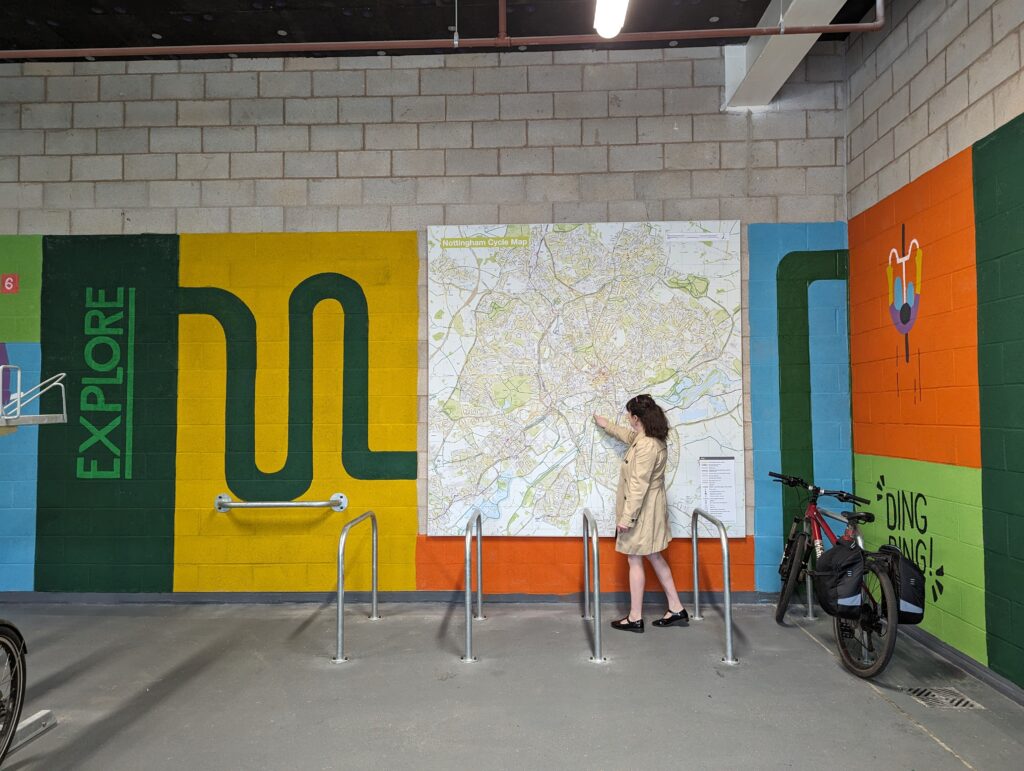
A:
940, 76
388, 142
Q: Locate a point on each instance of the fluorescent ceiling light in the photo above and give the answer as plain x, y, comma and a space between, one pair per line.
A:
609, 16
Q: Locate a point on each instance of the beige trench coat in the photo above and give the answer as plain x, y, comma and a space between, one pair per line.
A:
640, 500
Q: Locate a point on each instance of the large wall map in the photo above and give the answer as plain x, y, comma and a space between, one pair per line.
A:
533, 328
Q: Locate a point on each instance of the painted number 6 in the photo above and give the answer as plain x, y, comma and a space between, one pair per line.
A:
9, 283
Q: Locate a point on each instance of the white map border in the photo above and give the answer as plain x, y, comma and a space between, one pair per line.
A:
471, 258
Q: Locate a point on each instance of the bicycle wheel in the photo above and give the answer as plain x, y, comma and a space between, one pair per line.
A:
790, 570
12, 685
866, 644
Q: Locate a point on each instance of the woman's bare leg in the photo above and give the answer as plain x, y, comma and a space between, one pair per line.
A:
636, 586
664, 574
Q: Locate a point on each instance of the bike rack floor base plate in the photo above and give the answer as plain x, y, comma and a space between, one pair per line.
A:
32, 728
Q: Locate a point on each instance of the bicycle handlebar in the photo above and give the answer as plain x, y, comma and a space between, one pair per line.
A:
840, 495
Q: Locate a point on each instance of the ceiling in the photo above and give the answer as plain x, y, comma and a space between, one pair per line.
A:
77, 24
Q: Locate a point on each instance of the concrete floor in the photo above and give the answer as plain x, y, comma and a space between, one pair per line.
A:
252, 686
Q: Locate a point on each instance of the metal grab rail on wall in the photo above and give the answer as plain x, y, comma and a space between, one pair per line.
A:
224, 504
729, 658
590, 533
476, 519
340, 657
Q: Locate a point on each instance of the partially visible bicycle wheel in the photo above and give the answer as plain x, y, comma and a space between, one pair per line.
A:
866, 644
12, 685
790, 569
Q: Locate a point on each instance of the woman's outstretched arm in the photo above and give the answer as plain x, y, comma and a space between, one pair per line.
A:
626, 435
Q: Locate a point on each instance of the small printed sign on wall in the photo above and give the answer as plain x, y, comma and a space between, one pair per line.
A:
9, 283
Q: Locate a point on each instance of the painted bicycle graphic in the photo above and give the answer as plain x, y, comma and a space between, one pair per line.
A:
904, 291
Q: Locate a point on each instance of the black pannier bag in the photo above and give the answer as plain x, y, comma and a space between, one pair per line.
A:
837, 580
908, 581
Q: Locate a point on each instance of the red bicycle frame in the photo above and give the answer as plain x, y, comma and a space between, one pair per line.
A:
816, 517
818, 524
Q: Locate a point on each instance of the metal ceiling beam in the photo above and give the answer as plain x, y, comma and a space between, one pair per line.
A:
755, 73
501, 41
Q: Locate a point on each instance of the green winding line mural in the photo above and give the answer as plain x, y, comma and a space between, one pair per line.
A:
796, 272
245, 479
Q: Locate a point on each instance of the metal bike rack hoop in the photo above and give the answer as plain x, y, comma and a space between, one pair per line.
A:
340, 657
808, 581
477, 519
223, 503
590, 534
729, 658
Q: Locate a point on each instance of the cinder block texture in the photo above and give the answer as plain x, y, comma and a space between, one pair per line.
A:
939, 78
260, 144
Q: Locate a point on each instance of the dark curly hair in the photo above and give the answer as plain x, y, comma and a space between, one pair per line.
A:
650, 414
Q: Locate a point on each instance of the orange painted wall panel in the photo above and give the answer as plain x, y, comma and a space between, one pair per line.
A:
555, 565
926, 409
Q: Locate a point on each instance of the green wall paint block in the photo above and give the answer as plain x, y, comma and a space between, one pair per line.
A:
972, 526
973, 606
999, 216
21, 267
109, 319
923, 508
796, 272
966, 638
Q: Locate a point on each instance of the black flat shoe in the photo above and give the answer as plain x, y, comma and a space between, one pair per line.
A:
682, 617
629, 626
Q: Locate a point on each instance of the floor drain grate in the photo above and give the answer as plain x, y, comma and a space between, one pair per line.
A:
943, 698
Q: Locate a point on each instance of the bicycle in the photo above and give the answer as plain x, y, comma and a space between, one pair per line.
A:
865, 643
12, 683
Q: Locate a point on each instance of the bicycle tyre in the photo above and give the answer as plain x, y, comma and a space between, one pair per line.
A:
877, 626
12, 685
796, 553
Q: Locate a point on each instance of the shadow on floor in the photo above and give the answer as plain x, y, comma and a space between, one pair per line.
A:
83, 746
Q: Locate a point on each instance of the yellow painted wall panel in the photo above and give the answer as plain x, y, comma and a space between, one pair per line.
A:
295, 550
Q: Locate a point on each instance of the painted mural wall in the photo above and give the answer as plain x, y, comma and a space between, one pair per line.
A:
284, 366
915, 389
799, 373
936, 287
999, 213
267, 367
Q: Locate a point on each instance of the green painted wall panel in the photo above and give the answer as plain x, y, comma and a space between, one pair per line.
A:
999, 214
106, 479
21, 262
933, 513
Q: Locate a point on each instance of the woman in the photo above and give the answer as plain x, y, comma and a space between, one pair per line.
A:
641, 508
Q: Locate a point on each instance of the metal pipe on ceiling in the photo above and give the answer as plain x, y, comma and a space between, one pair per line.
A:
502, 41
502, 22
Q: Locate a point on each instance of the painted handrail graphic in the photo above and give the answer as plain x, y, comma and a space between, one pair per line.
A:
244, 477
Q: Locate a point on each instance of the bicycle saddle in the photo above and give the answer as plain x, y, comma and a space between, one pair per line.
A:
853, 517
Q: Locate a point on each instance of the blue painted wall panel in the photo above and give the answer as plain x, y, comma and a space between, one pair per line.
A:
768, 244
830, 393
18, 464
